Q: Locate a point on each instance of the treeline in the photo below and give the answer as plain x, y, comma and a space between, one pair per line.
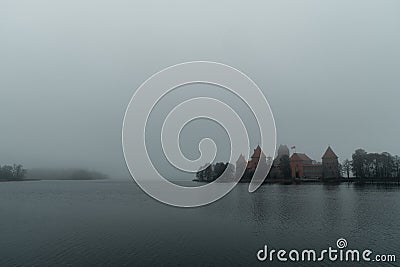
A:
366, 165
210, 172
12, 173
65, 174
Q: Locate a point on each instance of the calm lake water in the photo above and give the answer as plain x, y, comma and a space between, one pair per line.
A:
112, 223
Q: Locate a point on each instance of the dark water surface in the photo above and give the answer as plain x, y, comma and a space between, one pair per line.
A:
113, 223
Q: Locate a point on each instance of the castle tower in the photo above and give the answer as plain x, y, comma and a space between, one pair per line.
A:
241, 164
258, 154
257, 157
330, 165
282, 151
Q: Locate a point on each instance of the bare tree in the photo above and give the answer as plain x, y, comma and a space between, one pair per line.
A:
347, 167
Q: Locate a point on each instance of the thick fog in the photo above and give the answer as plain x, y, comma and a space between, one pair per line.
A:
329, 69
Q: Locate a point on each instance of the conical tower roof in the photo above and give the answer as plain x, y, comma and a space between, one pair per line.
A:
241, 159
329, 154
258, 153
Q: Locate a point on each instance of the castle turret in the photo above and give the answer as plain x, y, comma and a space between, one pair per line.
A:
241, 164
258, 156
330, 165
283, 150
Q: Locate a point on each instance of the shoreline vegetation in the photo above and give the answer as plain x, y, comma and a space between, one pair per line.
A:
289, 181
12, 172
363, 168
16, 173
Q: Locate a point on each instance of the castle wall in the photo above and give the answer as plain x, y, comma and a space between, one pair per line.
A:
313, 171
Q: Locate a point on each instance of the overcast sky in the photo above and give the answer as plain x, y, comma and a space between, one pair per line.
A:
330, 70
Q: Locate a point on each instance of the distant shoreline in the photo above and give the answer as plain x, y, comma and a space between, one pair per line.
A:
64, 174
64, 179
23, 180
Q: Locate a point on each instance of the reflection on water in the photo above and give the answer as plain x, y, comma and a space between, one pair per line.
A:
114, 223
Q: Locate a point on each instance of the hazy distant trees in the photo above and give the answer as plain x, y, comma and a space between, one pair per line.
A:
366, 165
65, 174
397, 166
211, 172
11, 173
